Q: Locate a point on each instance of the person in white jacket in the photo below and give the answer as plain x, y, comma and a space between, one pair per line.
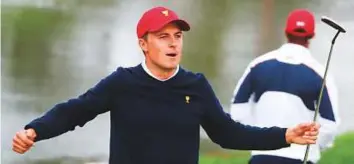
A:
281, 88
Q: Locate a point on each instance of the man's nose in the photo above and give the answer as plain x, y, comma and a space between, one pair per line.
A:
173, 42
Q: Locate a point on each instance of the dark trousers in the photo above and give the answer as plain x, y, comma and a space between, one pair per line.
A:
269, 159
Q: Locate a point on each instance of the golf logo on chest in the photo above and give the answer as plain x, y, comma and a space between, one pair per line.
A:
187, 99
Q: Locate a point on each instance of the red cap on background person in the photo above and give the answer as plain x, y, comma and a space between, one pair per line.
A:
300, 23
156, 18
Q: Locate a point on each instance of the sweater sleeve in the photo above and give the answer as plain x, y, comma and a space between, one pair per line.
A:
65, 116
233, 135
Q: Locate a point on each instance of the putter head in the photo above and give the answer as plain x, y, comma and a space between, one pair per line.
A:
332, 23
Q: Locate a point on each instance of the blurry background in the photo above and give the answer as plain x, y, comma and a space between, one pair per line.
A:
52, 50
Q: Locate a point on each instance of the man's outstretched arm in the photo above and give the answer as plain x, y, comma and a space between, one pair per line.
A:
233, 135
64, 117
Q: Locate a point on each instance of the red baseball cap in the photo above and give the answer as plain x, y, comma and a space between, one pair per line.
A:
300, 22
156, 18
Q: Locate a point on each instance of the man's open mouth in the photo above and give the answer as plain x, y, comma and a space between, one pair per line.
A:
171, 54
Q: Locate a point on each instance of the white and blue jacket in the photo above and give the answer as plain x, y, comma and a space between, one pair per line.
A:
280, 88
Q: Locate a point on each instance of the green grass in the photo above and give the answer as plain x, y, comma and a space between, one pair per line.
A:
341, 153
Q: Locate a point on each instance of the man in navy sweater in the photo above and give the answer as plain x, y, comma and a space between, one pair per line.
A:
157, 107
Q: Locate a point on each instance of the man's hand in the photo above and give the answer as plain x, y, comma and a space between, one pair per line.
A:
23, 140
303, 134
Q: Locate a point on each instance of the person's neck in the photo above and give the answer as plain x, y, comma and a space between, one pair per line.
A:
160, 74
301, 43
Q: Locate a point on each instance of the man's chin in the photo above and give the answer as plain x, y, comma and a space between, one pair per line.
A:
170, 67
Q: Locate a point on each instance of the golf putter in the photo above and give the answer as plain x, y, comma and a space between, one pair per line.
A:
339, 29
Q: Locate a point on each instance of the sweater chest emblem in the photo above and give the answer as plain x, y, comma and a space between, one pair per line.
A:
187, 99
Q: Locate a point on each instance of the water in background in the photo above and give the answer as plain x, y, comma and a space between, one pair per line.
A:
54, 50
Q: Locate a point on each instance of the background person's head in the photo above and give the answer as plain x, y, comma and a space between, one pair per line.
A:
160, 37
300, 27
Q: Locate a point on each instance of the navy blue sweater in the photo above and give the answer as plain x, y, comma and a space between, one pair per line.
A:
156, 122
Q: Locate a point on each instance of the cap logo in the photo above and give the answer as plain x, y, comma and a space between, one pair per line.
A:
165, 12
300, 23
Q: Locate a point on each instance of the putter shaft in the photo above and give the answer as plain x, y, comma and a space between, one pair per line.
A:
321, 92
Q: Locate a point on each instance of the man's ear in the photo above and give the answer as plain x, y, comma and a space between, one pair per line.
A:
143, 44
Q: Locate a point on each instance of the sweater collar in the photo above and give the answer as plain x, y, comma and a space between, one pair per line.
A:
146, 69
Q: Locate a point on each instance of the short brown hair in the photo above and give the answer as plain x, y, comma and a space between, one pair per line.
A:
293, 38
